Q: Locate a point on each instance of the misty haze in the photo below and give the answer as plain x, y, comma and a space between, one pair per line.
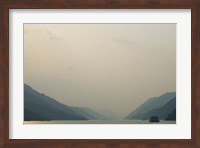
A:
100, 73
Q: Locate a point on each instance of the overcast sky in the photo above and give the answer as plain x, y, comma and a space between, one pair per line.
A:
102, 66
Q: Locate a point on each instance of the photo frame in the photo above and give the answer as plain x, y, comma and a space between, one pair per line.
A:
6, 6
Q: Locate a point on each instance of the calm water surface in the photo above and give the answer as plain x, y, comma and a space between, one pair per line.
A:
99, 122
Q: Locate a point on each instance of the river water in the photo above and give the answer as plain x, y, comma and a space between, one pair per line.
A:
99, 122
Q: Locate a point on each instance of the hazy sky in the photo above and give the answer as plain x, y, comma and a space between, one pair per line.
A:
104, 66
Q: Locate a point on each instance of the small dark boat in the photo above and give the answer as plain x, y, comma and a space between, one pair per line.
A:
154, 119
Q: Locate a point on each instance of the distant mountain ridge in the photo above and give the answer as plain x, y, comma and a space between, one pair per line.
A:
38, 106
160, 106
163, 111
112, 115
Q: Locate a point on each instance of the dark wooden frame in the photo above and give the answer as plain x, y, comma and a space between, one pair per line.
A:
5, 5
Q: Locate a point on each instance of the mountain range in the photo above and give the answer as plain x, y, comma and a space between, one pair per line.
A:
163, 106
38, 106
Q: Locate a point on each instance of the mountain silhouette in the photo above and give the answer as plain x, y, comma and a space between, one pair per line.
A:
38, 106
163, 111
160, 106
